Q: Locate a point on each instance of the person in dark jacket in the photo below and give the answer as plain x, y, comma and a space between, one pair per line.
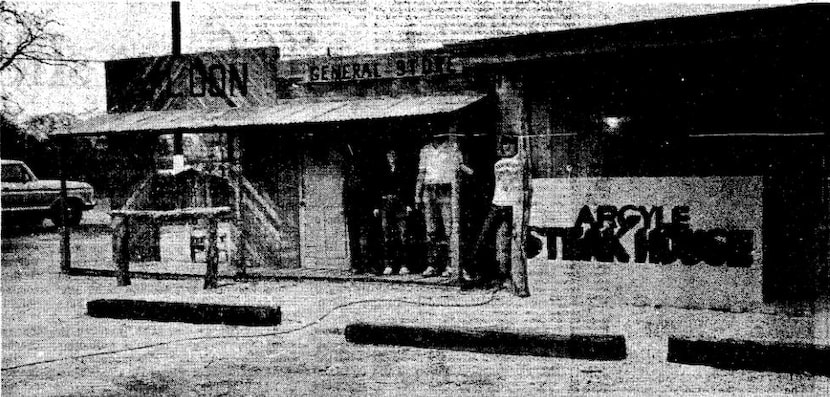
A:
391, 210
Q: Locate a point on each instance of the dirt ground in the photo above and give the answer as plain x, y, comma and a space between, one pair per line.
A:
44, 318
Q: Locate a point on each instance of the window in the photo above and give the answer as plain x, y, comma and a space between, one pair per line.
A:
15, 173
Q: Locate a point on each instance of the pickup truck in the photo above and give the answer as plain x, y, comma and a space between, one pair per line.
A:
25, 198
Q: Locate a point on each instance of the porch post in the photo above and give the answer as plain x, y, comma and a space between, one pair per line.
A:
65, 250
238, 233
121, 248
513, 121
211, 254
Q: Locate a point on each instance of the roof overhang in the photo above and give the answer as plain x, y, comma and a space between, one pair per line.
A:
288, 113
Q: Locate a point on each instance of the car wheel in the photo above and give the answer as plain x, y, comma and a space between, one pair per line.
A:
73, 216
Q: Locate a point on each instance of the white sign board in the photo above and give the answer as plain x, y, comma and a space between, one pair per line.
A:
681, 241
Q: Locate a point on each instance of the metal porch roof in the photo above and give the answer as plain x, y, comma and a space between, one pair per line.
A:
290, 112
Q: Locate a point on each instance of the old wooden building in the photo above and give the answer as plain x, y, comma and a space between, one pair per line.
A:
699, 142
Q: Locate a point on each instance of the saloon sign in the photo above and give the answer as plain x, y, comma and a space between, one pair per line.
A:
716, 221
221, 79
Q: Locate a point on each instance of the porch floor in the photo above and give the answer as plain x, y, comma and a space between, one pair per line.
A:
188, 270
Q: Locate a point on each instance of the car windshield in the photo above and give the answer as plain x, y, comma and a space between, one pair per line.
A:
15, 173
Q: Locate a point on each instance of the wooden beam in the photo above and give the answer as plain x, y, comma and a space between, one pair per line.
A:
238, 260
66, 230
212, 255
513, 121
185, 214
121, 249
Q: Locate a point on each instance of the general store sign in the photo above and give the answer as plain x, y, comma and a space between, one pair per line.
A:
394, 66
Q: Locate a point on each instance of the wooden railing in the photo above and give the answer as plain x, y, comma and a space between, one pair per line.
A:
262, 230
121, 236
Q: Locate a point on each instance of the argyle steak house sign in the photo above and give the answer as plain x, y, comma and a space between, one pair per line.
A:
713, 220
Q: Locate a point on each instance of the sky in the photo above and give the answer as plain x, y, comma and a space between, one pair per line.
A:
105, 30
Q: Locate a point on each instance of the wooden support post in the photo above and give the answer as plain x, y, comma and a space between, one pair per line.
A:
66, 230
121, 249
514, 121
212, 254
455, 240
239, 235
518, 267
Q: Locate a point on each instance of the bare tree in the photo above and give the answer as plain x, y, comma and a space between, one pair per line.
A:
28, 36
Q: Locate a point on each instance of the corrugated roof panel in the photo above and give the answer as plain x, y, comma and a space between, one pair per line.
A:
297, 111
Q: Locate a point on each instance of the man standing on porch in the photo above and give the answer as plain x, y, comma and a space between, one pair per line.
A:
436, 194
391, 211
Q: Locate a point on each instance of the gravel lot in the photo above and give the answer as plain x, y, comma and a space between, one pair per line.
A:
43, 318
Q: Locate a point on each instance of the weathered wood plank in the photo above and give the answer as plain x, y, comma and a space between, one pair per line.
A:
212, 255
185, 214
121, 249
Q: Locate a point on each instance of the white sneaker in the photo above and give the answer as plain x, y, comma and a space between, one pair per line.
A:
430, 272
387, 271
448, 273
404, 271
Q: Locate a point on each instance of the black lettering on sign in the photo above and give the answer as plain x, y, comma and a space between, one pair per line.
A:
426, 66
198, 80
313, 73
216, 83
239, 82
324, 72
215, 78
400, 67
413, 64
598, 238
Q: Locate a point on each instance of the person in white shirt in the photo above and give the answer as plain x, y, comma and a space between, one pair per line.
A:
508, 195
439, 166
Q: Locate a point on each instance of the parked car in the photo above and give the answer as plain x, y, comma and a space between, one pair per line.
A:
25, 198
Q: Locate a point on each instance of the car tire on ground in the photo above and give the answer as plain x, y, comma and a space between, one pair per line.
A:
73, 216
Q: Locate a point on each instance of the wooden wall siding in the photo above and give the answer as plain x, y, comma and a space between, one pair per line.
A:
511, 106
271, 164
539, 113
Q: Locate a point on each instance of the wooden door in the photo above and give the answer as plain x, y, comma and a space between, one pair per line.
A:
323, 233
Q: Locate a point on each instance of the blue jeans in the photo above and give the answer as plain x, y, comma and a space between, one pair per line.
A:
498, 229
393, 230
438, 219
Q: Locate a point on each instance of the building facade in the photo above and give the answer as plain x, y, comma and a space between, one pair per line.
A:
677, 162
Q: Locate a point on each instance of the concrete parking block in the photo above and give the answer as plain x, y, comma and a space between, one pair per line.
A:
803, 358
586, 346
197, 313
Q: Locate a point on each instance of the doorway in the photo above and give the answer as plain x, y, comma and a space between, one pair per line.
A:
323, 231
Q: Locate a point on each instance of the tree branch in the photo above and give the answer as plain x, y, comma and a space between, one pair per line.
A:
29, 37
